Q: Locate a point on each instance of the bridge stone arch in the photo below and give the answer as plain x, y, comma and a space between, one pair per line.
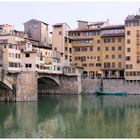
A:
8, 88
50, 77
8, 81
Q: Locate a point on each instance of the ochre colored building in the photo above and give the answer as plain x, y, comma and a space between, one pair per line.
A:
99, 47
132, 47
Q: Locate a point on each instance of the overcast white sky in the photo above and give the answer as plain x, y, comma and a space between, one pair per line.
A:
16, 13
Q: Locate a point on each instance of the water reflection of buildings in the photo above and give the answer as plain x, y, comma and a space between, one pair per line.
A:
26, 117
72, 116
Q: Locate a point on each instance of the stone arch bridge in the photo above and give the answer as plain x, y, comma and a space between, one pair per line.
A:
27, 85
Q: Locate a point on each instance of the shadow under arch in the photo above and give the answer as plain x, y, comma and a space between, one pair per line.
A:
47, 83
4, 86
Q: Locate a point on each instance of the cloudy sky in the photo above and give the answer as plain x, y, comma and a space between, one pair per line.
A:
16, 13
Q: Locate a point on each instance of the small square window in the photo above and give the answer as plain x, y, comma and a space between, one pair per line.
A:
30, 65
26, 65
27, 55
128, 32
60, 33
128, 41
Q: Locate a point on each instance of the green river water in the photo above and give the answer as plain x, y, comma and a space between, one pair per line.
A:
72, 116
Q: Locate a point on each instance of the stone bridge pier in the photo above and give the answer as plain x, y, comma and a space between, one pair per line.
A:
28, 85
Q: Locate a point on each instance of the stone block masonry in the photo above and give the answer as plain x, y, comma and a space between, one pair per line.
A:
26, 86
67, 85
89, 86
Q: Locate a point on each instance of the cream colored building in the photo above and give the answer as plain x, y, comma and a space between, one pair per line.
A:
59, 35
20, 52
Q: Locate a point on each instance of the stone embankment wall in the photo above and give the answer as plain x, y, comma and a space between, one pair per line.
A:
110, 85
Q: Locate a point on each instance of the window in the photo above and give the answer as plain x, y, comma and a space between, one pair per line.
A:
91, 48
27, 55
113, 55
28, 65
84, 48
81, 41
137, 33
107, 40
55, 49
84, 65
98, 64
77, 49
128, 49
107, 56
107, 65
70, 50
5, 46
129, 66
60, 33
12, 64
66, 57
113, 64
66, 48
113, 48
98, 58
16, 55
119, 56
119, 40
77, 58
128, 32
83, 58
119, 65
128, 58
113, 39
119, 47
70, 58
138, 59
98, 41
128, 41
106, 48
58, 68
91, 64
98, 48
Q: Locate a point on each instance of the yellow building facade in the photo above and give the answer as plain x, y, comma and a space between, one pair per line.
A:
113, 51
99, 47
132, 47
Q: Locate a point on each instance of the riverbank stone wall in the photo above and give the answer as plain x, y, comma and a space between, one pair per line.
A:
89, 86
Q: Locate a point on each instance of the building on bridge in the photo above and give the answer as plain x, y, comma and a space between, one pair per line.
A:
20, 52
25, 61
